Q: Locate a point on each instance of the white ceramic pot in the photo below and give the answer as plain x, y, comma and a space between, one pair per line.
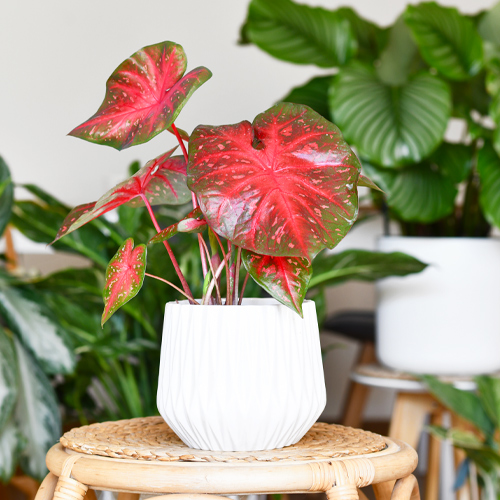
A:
446, 319
240, 378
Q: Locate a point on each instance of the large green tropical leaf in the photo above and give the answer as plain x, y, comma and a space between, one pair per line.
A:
454, 161
448, 40
8, 378
6, 195
299, 33
397, 57
488, 167
390, 125
489, 394
37, 413
465, 404
333, 268
488, 25
314, 94
418, 193
42, 336
10, 448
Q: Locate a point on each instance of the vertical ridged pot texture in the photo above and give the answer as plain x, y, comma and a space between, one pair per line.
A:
240, 378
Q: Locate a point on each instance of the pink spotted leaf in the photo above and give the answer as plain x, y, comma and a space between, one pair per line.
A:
161, 181
143, 97
284, 278
194, 222
124, 277
285, 185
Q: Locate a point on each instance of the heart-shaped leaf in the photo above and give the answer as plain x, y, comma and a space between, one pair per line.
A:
124, 277
417, 193
448, 41
299, 33
390, 125
488, 167
194, 222
162, 181
488, 26
284, 278
284, 186
144, 95
314, 94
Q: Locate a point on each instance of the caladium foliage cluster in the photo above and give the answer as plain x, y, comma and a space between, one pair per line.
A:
278, 190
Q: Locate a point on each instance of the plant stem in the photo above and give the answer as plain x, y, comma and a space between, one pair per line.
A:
173, 286
237, 275
219, 298
216, 276
194, 200
245, 281
185, 285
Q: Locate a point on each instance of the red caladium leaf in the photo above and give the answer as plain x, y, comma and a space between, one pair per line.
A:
124, 277
284, 186
194, 222
162, 181
284, 278
144, 95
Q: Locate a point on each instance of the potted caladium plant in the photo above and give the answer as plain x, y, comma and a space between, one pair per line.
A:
270, 195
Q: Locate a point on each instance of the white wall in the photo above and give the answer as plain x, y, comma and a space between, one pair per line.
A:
57, 55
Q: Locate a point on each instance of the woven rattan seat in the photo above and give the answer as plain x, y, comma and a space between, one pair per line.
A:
145, 456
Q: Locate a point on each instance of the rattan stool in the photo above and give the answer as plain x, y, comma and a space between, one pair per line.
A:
144, 456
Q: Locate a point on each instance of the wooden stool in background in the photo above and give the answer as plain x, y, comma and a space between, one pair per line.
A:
143, 455
413, 406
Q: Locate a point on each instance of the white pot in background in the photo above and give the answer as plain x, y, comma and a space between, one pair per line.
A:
240, 378
446, 319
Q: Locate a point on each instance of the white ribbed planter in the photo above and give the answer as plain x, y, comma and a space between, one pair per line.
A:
446, 319
240, 378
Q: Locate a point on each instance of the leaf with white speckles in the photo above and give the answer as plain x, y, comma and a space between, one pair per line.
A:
285, 185
194, 222
124, 277
144, 95
284, 278
162, 181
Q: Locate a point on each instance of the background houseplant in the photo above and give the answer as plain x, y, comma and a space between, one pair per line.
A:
478, 437
393, 92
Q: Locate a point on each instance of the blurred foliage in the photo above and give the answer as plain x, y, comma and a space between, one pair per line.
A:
392, 91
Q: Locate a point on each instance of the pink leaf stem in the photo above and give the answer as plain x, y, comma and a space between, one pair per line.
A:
217, 289
237, 275
173, 286
245, 281
215, 277
185, 285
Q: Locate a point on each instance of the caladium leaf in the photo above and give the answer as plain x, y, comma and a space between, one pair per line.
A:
194, 222
144, 95
285, 185
124, 277
162, 181
284, 278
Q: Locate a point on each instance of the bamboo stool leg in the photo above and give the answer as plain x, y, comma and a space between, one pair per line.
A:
68, 488
406, 489
128, 496
358, 393
47, 488
383, 491
343, 492
432, 478
408, 416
